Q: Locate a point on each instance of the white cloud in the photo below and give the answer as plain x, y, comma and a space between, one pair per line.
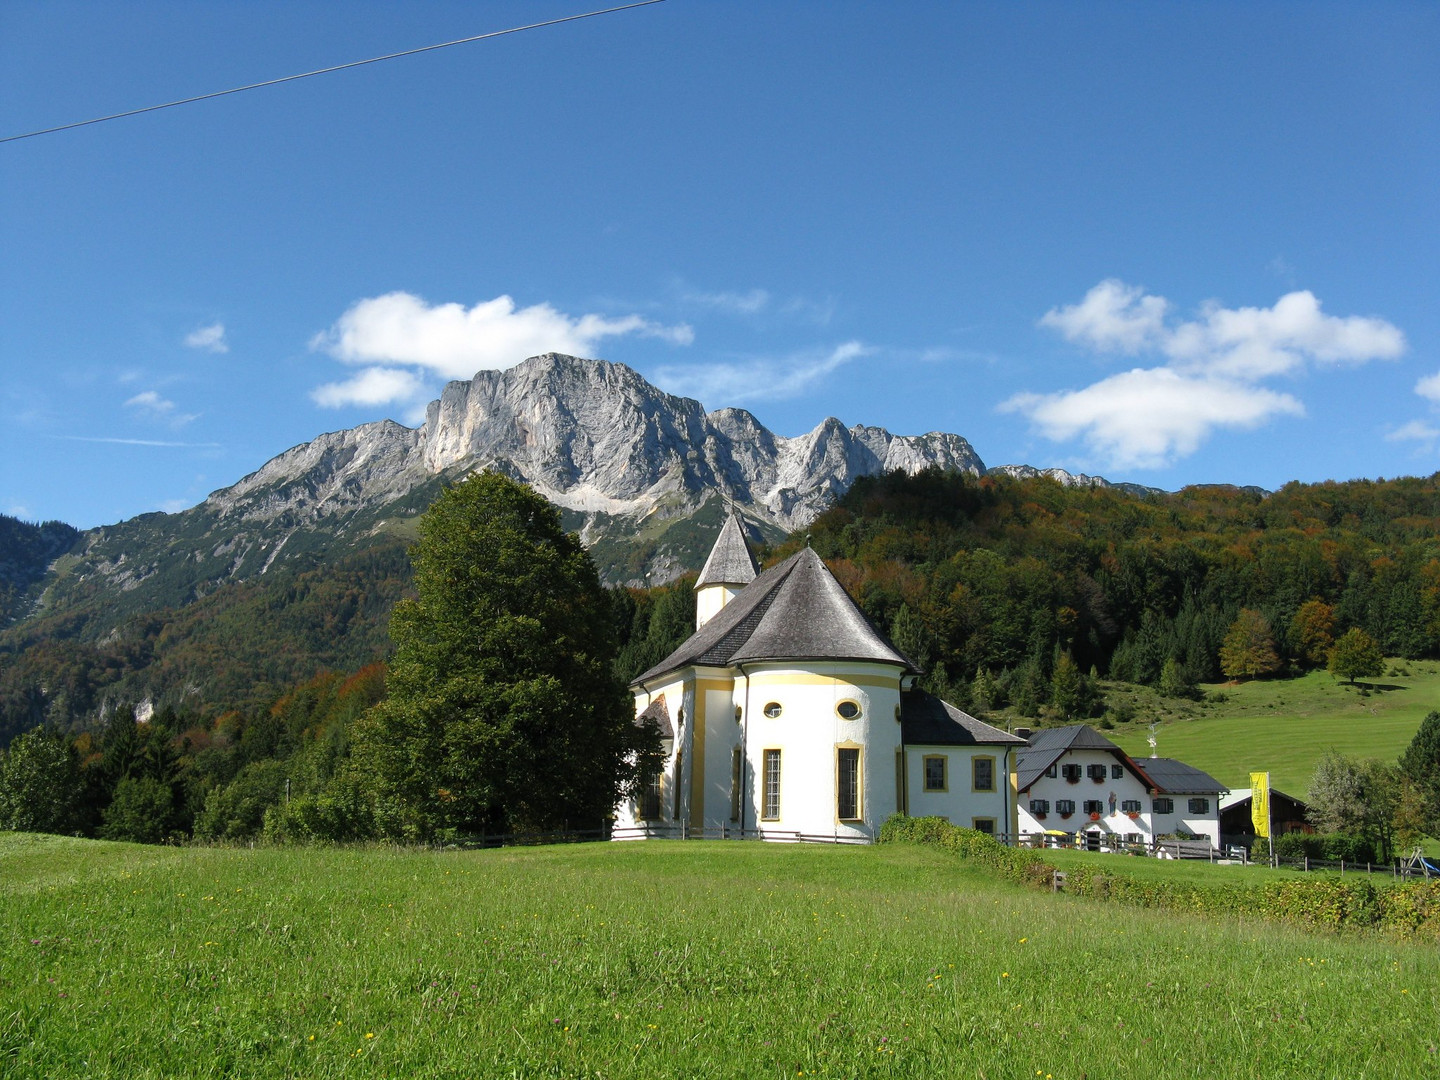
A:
1255, 343
1113, 317
1146, 417
138, 442
373, 386
150, 404
726, 384
748, 303
208, 338
1429, 387
1210, 379
1414, 431
454, 342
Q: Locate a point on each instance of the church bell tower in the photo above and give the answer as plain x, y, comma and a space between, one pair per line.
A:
729, 569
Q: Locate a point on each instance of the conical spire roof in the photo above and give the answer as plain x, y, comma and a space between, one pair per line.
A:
730, 561
793, 611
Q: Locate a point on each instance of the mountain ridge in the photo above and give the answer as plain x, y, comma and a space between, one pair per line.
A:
638, 472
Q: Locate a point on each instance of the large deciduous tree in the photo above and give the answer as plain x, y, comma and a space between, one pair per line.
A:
1312, 632
504, 711
39, 785
1355, 656
1248, 649
1356, 797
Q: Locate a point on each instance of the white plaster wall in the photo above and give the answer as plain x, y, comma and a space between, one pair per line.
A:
960, 804
1202, 825
722, 735
709, 601
678, 695
807, 732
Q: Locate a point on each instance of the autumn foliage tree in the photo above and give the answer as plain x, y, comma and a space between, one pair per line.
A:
1312, 632
1248, 650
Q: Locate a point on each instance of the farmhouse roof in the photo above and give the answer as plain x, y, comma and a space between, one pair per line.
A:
1049, 745
1171, 775
730, 561
926, 720
793, 611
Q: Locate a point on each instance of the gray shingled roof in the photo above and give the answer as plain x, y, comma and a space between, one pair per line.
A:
1171, 775
793, 611
1049, 745
730, 561
659, 713
926, 720
1165, 774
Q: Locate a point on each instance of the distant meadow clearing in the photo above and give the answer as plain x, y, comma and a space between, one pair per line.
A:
662, 959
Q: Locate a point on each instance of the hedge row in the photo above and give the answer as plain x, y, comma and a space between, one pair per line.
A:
1408, 909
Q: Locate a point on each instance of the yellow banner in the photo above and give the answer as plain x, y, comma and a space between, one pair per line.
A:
1260, 802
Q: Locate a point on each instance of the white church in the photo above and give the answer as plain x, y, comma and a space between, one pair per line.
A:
788, 715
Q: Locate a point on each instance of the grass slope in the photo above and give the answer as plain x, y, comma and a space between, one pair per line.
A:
1284, 725
660, 960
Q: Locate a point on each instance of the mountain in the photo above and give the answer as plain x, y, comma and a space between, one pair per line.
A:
26, 552
1069, 479
642, 474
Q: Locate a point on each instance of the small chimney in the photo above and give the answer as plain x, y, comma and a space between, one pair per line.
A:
1023, 733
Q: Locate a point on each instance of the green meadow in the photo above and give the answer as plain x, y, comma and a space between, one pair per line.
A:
662, 959
1284, 725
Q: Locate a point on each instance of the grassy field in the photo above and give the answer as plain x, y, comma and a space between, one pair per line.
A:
661, 960
1284, 725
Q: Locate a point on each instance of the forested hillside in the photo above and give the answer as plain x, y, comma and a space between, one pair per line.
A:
1009, 591
25, 552
240, 647
1005, 577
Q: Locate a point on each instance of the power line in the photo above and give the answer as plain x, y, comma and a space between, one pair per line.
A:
328, 70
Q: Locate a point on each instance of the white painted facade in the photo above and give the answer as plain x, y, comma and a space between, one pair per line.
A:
725, 712
1129, 808
958, 798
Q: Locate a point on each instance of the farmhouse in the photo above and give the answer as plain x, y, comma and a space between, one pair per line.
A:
1073, 779
788, 714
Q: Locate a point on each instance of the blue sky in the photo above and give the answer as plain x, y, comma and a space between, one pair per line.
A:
1169, 243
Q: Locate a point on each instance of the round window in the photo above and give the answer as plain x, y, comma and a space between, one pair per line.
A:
772, 710
848, 710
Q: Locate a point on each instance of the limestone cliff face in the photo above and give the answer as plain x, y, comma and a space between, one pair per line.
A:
594, 438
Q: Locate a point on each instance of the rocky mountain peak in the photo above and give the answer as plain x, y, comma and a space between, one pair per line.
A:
640, 472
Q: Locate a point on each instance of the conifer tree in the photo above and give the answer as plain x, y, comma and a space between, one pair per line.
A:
1420, 764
